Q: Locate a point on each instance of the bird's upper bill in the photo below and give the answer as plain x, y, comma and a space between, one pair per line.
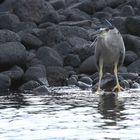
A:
103, 31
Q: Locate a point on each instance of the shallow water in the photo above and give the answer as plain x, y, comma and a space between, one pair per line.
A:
70, 114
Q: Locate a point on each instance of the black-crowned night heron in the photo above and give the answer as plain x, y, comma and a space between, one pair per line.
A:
109, 53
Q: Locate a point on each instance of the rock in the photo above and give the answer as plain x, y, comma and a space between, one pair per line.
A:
28, 86
122, 69
134, 67
75, 15
132, 43
86, 80
15, 74
51, 36
56, 75
8, 21
12, 53
127, 11
37, 73
129, 76
72, 81
119, 23
72, 60
7, 5
63, 48
8, 36
49, 57
34, 10
41, 90
88, 66
125, 84
24, 26
103, 15
83, 85
58, 4
130, 57
5, 82
135, 85
71, 73
69, 31
133, 25
30, 41
83, 23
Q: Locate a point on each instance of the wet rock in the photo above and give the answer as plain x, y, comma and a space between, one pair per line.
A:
72, 81
86, 80
28, 86
125, 84
49, 57
30, 41
119, 23
8, 21
134, 67
5, 82
130, 57
34, 10
56, 76
72, 60
8, 36
63, 48
41, 90
133, 25
51, 36
69, 31
122, 69
132, 43
15, 74
12, 53
127, 11
37, 73
130, 76
88, 66
74, 14
83, 85
135, 85
58, 4
24, 26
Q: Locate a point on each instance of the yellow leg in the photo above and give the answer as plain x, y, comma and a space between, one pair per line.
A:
100, 74
117, 88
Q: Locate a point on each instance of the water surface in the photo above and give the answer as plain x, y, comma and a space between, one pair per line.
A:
70, 114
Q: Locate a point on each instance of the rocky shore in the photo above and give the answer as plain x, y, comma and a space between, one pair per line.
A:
47, 43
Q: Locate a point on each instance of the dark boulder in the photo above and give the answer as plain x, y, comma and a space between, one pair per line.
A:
58, 4
8, 21
24, 26
69, 31
127, 11
28, 86
49, 57
41, 90
57, 76
34, 10
88, 66
37, 73
130, 57
51, 36
72, 60
133, 25
132, 43
30, 41
8, 36
86, 80
5, 83
12, 53
134, 67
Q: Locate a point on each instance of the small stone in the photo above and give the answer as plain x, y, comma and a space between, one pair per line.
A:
135, 85
83, 85
86, 80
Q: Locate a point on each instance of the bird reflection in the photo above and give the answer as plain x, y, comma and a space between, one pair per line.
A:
110, 106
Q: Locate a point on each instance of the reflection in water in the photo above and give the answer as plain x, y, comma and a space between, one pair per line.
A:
69, 115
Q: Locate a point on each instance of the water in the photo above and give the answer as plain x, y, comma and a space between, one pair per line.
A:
70, 114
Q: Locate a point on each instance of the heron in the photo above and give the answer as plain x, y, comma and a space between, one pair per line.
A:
109, 54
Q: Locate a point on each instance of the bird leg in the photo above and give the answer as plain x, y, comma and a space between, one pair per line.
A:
100, 74
117, 88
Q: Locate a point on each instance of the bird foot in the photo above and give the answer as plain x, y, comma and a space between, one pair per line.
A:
99, 90
118, 88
